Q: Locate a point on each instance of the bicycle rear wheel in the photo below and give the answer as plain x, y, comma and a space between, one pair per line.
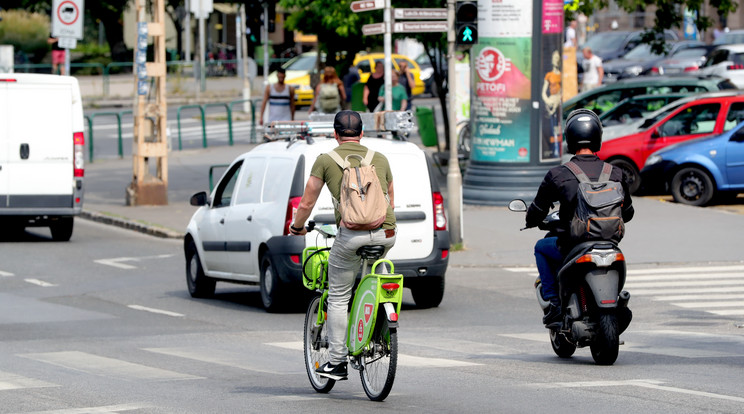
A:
379, 363
316, 348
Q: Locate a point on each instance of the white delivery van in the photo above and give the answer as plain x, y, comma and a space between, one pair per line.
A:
41, 152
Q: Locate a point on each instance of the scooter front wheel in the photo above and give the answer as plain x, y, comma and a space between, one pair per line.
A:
561, 345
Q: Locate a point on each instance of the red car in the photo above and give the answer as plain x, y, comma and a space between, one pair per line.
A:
688, 118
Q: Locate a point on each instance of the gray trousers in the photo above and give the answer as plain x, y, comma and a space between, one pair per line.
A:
343, 266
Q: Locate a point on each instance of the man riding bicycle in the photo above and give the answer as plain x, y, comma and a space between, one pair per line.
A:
344, 264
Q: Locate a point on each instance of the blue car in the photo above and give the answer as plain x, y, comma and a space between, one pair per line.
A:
696, 171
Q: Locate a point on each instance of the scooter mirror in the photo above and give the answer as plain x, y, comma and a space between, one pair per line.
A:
517, 205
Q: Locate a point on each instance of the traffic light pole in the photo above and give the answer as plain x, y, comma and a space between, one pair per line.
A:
388, 41
454, 178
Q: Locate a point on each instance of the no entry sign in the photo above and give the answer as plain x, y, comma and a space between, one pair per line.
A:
67, 18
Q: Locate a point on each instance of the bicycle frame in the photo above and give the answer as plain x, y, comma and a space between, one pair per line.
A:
373, 290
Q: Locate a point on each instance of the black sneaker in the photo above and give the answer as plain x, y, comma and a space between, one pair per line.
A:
334, 372
553, 315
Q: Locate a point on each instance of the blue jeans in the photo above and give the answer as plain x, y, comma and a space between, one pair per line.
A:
548, 259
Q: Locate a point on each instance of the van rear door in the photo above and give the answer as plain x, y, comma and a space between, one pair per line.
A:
3, 145
39, 168
413, 205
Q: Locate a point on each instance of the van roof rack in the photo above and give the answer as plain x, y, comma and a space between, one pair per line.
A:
389, 124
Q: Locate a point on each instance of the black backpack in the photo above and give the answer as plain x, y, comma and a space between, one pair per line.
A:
599, 204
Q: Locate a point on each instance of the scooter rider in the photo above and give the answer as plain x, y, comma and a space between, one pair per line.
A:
583, 135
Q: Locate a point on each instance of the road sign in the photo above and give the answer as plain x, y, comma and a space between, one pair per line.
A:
67, 18
67, 42
201, 8
365, 5
373, 29
420, 27
416, 14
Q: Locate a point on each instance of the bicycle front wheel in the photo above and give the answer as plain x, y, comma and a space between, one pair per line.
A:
379, 363
316, 348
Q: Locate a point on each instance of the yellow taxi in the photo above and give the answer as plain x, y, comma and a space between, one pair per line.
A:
366, 63
298, 71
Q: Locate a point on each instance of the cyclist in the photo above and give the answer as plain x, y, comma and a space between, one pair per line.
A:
344, 264
583, 136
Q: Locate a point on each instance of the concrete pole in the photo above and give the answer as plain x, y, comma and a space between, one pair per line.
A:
266, 44
187, 28
388, 40
67, 61
244, 62
454, 178
202, 51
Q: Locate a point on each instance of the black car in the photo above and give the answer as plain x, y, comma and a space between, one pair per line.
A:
641, 60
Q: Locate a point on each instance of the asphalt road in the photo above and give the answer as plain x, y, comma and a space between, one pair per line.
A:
104, 324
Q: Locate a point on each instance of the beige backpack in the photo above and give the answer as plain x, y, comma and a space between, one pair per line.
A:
363, 204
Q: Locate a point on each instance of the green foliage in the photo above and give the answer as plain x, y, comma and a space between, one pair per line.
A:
27, 32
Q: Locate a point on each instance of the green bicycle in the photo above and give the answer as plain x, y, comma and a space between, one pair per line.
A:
372, 338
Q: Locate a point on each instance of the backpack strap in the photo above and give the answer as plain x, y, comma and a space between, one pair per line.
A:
337, 158
578, 172
368, 158
606, 171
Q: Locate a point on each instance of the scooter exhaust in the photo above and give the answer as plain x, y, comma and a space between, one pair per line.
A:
624, 315
623, 298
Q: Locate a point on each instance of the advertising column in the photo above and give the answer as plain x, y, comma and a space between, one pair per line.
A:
516, 100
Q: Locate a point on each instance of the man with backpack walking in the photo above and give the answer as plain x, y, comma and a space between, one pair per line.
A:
361, 218
563, 184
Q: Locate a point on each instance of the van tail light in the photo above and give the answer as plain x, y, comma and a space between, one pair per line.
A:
440, 220
655, 70
691, 68
292, 206
738, 66
78, 142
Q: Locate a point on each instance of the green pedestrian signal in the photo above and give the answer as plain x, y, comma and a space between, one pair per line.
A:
466, 23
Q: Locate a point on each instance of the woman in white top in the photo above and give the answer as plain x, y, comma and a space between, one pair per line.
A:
281, 99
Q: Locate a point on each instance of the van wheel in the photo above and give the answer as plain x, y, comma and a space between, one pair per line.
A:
428, 292
271, 286
61, 229
199, 284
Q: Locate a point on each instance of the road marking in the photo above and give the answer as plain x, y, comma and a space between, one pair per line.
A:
652, 384
694, 276
153, 310
255, 361
107, 367
687, 283
403, 359
730, 312
717, 304
710, 296
10, 381
116, 261
691, 290
673, 270
6, 274
39, 282
108, 409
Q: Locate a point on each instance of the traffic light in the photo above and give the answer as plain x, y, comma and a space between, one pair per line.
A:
271, 26
466, 23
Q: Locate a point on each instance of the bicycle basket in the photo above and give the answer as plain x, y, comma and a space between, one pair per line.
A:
314, 266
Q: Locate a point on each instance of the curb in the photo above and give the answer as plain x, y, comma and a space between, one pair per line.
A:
130, 225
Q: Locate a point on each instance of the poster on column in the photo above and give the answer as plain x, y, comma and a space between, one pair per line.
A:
551, 91
502, 105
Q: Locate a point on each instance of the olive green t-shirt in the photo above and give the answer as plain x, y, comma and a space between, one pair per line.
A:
331, 173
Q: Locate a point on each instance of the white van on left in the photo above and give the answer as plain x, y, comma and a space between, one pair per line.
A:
42, 147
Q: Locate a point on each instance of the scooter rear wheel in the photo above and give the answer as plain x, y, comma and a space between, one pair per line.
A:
606, 343
561, 346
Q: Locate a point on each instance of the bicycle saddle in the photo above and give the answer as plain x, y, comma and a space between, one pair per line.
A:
371, 252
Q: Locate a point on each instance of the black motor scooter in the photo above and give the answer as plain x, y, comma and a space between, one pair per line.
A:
595, 308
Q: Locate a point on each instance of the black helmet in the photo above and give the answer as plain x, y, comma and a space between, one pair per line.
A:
583, 130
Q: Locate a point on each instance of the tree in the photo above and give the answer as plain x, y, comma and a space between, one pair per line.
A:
669, 14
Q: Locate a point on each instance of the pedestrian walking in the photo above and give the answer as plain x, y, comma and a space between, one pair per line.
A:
593, 71
406, 79
571, 40
280, 98
58, 56
400, 98
351, 77
329, 93
373, 85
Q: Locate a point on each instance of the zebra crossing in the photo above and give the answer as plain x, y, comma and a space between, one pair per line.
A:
715, 289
